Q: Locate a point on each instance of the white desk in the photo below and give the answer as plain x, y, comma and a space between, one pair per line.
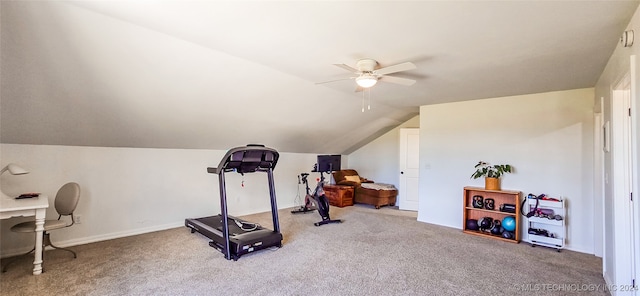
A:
36, 206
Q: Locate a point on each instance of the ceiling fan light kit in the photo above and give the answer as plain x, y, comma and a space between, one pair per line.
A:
366, 80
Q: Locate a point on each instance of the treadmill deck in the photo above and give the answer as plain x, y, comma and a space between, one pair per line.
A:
240, 241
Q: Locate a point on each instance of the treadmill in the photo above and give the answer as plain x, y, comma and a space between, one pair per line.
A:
232, 236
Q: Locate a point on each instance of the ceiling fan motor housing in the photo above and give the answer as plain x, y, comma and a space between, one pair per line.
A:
366, 65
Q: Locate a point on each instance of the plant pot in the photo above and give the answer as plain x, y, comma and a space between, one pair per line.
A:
491, 183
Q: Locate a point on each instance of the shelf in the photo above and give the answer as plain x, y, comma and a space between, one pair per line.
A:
513, 192
491, 211
546, 221
480, 233
547, 241
500, 197
546, 203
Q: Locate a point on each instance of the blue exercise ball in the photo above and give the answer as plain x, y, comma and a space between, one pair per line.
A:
509, 223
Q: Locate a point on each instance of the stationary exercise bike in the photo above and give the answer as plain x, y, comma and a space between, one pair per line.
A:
316, 201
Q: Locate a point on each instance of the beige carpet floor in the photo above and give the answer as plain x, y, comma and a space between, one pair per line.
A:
373, 252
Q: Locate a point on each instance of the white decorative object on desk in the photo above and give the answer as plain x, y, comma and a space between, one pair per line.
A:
14, 169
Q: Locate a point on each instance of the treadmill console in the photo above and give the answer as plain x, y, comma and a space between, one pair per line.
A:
247, 159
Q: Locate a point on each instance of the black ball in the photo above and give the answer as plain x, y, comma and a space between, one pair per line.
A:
472, 224
508, 235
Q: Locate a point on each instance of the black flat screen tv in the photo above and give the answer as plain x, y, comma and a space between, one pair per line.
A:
329, 163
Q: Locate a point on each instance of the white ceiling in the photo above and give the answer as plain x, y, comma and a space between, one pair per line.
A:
218, 74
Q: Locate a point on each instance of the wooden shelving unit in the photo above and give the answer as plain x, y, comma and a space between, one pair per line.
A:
500, 197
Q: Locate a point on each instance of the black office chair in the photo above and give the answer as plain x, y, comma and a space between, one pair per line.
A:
65, 203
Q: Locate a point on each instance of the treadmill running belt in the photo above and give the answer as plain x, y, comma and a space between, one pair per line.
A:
216, 222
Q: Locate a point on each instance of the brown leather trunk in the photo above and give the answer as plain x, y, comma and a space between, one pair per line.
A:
339, 195
376, 198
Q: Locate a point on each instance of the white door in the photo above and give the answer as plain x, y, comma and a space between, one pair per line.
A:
409, 169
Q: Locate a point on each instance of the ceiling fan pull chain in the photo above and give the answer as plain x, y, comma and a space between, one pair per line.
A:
363, 102
369, 104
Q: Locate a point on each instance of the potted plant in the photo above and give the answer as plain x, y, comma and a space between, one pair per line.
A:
491, 174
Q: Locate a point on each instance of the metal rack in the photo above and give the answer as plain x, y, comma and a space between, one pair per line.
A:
547, 230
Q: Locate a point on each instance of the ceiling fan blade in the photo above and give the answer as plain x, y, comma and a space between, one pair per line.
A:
323, 82
396, 68
348, 68
397, 80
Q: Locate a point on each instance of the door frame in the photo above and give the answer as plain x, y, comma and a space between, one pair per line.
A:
598, 184
633, 107
623, 168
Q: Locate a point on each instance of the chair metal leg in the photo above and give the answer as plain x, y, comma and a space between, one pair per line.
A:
64, 249
14, 259
46, 241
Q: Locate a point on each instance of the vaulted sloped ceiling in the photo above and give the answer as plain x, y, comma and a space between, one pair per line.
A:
218, 74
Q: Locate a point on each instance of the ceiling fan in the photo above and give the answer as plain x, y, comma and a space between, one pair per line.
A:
368, 75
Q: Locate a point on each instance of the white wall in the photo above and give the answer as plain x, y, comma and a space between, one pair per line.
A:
380, 159
618, 65
128, 191
547, 137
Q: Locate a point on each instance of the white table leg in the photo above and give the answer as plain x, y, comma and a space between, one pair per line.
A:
37, 263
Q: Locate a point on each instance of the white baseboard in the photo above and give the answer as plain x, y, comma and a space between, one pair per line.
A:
439, 224
97, 238
108, 236
567, 247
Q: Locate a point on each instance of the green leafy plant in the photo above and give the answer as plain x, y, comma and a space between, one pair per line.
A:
486, 170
